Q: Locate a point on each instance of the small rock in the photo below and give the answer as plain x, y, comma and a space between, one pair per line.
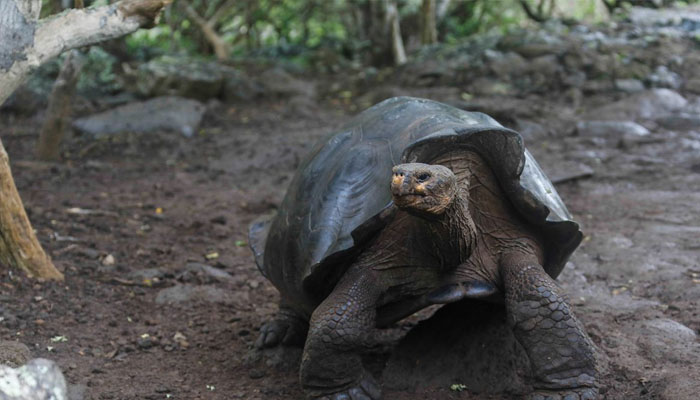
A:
681, 122
108, 260
176, 76
666, 339
664, 78
648, 104
598, 85
13, 354
504, 66
256, 373
221, 220
569, 171
149, 274
145, 342
629, 85
490, 87
204, 274
40, 379
692, 85
611, 129
278, 83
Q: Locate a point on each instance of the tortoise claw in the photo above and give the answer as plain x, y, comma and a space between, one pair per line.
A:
365, 389
283, 330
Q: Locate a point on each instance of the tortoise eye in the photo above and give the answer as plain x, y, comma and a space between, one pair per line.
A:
423, 177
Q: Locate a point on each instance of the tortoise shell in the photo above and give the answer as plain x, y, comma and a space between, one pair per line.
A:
340, 194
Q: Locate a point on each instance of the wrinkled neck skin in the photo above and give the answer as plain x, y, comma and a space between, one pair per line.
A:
452, 233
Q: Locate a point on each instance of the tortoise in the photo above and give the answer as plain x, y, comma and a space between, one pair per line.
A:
415, 203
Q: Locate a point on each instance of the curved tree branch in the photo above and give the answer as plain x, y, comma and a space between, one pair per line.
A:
68, 30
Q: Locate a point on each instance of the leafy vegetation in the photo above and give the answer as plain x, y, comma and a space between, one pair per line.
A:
350, 31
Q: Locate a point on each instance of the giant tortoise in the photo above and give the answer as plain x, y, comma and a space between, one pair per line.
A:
415, 203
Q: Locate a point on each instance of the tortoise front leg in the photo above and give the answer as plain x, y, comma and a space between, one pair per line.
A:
561, 354
340, 328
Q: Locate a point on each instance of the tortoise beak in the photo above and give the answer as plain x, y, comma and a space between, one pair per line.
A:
400, 184
403, 184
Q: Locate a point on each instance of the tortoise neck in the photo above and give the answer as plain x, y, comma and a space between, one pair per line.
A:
453, 233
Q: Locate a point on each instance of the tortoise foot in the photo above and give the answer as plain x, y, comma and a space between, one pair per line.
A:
585, 393
365, 389
287, 329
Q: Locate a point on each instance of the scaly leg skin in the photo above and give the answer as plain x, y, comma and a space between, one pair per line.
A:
288, 328
561, 354
344, 324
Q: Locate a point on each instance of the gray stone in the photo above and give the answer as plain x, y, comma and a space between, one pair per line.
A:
692, 85
662, 77
547, 65
240, 87
678, 17
506, 65
649, 104
610, 129
153, 276
598, 85
575, 79
160, 114
204, 274
681, 122
40, 379
174, 76
179, 294
566, 171
13, 354
666, 339
490, 87
278, 83
629, 85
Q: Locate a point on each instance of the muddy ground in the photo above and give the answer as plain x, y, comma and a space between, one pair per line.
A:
130, 219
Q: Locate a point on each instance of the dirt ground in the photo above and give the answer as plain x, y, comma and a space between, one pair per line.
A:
131, 217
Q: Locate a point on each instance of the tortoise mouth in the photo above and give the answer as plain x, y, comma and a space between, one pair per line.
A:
408, 200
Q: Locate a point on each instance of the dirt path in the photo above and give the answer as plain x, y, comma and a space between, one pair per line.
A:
132, 219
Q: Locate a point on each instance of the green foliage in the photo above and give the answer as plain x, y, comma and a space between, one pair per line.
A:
97, 74
162, 39
473, 16
297, 29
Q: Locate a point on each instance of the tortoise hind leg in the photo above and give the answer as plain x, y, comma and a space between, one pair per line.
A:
288, 328
560, 352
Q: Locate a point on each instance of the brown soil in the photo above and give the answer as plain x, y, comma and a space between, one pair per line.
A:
158, 201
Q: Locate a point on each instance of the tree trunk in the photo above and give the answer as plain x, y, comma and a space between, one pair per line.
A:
392, 21
26, 42
221, 48
428, 22
60, 108
19, 247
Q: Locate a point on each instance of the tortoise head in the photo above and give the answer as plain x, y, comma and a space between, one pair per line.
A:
423, 188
